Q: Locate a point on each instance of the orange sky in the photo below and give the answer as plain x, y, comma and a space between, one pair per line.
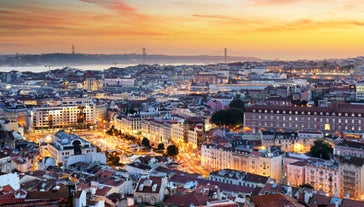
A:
284, 29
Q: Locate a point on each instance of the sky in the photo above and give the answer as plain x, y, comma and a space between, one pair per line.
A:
270, 29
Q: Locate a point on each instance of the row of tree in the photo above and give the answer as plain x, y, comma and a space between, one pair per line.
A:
172, 150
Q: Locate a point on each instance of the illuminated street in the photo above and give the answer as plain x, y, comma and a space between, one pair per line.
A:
188, 162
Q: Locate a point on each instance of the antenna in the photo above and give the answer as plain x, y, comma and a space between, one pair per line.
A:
225, 55
144, 55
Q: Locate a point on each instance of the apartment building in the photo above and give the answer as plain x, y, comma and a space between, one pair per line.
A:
262, 162
349, 148
351, 174
128, 124
75, 113
323, 175
237, 177
296, 173
299, 142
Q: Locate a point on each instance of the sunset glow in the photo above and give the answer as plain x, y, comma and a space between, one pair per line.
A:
286, 29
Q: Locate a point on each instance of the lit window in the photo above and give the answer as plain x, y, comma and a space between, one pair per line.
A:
327, 127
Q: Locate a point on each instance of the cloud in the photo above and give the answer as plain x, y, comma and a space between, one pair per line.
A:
116, 5
273, 2
309, 24
215, 17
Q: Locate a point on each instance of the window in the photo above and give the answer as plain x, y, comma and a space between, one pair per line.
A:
327, 127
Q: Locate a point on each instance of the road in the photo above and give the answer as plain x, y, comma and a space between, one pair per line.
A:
188, 162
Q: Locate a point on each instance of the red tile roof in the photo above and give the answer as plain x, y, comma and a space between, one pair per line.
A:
103, 191
274, 200
7, 189
186, 200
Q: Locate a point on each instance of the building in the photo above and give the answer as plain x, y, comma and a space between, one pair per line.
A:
150, 190
349, 148
299, 142
92, 84
351, 172
336, 118
296, 173
202, 79
5, 162
237, 177
129, 82
359, 91
74, 113
65, 145
263, 162
323, 176
11, 179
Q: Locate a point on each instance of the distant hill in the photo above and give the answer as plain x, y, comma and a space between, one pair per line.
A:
89, 59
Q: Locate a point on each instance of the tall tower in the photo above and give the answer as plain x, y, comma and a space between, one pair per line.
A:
225, 55
144, 55
73, 50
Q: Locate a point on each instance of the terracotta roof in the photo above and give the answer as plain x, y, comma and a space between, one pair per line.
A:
274, 200
299, 163
351, 203
102, 191
104, 173
149, 187
186, 200
7, 201
255, 178
7, 189
54, 194
317, 200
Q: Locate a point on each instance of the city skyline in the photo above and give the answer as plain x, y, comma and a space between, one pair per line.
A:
285, 29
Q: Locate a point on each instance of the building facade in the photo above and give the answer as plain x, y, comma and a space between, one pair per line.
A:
74, 113
262, 162
339, 117
351, 171
65, 145
323, 175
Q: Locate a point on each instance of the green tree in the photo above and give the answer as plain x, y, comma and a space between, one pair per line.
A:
172, 150
160, 146
321, 149
305, 186
145, 142
229, 117
237, 103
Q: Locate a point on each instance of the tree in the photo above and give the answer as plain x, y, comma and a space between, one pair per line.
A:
321, 149
305, 186
160, 146
145, 142
237, 103
229, 117
172, 150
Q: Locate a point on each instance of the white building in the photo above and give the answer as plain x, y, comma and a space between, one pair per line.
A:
65, 145
119, 82
11, 179
5, 161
